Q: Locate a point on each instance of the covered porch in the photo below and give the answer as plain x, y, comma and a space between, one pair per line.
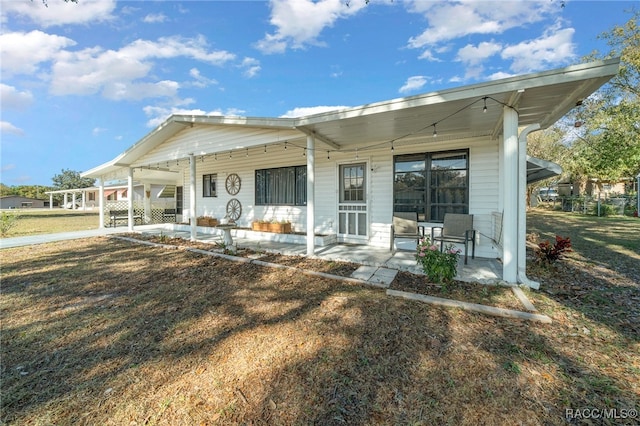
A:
380, 265
486, 124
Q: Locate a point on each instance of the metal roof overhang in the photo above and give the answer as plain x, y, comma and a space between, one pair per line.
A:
541, 98
538, 169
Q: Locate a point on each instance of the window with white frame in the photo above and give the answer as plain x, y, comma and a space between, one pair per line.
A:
282, 186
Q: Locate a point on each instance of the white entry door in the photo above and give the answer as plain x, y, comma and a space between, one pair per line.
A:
352, 205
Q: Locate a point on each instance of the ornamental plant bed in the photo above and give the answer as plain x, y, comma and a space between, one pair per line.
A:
277, 227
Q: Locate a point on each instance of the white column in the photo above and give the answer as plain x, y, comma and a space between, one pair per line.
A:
84, 200
311, 201
147, 202
50, 201
73, 201
64, 205
510, 196
192, 196
130, 193
101, 201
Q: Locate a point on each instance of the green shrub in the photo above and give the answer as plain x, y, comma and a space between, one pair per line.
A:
7, 221
605, 210
439, 267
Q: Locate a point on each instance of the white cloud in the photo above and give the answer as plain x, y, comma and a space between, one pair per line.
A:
499, 75
200, 80
97, 130
428, 55
22, 53
118, 91
158, 114
117, 73
251, 67
413, 84
304, 111
11, 98
473, 55
155, 18
8, 128
555, 47
60, 13
452, 20
299, 22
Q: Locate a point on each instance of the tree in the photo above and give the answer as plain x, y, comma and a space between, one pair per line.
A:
608, 144
549, 145
70, 179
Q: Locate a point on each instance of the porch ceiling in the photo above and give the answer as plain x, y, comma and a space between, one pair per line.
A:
458, 113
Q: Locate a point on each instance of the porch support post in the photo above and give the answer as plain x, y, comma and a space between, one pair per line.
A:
101, 201
64, 205
522, 207
50, 201
510, 196
311, 182
73, 201
84, 199
130, 194
192, 196
147, 203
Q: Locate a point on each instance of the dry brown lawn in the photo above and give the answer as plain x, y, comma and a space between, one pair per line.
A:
105, 331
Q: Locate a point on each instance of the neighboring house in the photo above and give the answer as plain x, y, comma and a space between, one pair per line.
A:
19, 202
155, 197
345, 172
597, 188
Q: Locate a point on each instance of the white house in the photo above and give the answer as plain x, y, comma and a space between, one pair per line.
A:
345, 172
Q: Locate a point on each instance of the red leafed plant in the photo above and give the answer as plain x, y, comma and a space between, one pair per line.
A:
549, 253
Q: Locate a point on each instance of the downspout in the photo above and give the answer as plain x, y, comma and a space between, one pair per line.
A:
522, 207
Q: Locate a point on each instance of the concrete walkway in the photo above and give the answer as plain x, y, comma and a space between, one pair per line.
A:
379, 265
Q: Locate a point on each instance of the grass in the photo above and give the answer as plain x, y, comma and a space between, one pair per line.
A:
105, 331
45, 221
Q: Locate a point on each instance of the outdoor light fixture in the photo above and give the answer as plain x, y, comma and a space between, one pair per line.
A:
435, 133
485, 104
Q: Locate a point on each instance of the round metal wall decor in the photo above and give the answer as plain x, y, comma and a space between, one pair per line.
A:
232, 184
234, 209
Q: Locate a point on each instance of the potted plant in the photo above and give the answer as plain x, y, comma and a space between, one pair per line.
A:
279, 227
206, 221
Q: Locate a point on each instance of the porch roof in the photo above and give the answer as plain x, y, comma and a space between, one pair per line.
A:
453, 114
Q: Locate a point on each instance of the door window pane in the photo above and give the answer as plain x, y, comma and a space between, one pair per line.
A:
431, 184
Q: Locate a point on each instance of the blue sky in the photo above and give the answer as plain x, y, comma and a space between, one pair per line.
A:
81, 83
